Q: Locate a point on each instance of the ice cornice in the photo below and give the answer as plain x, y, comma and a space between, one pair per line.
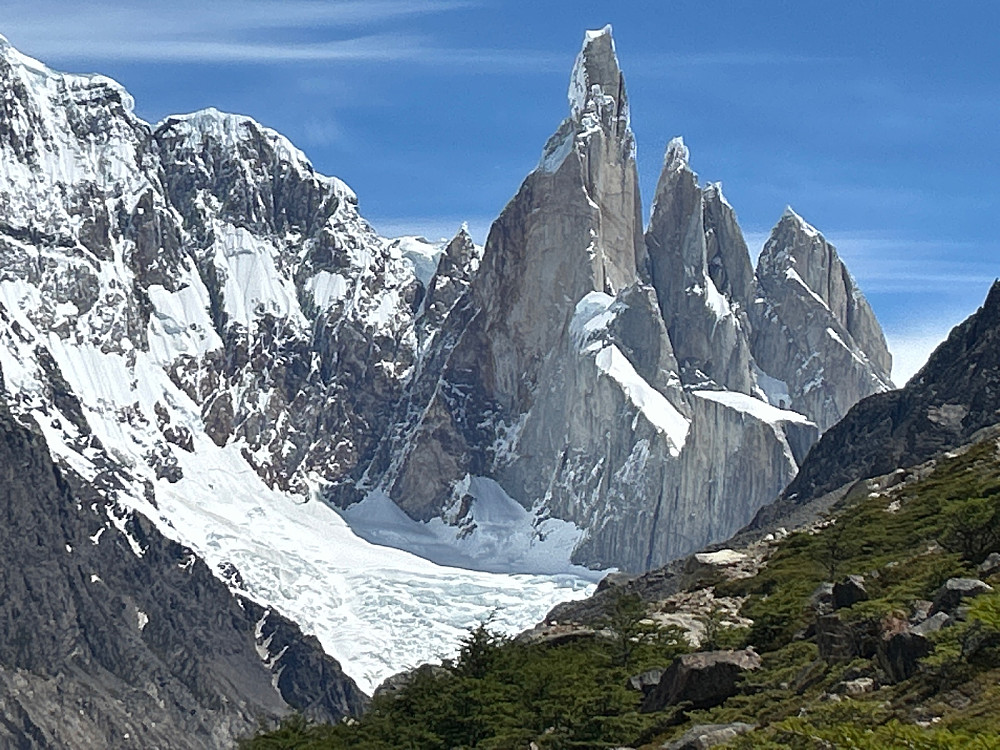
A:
38, 77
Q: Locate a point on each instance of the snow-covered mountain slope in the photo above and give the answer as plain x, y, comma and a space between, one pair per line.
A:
106, 648
206, 330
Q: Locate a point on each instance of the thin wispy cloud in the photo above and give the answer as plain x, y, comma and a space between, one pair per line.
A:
380, 47
268, 31
226, 31
59, 19
662, 63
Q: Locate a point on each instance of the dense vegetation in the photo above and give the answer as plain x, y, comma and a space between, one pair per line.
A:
500, 693
905, 541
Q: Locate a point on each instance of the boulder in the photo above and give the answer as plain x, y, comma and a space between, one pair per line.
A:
954, 590
921, 609
841, 640
990, 566
849, 592
932, 624
705, 736
859, 686
898, 655
702, 679
647, 681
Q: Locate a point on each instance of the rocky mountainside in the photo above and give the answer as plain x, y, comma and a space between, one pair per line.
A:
648, 387
212, 338
876, 625
956, 394
206, 332
117, 636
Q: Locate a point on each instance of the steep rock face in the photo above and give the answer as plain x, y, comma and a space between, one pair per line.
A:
117, 636
726, 251
693, 241
953, 396
574, 227
558, 377
297, 283
813, 330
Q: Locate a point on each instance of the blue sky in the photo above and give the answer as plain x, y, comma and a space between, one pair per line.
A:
876, 121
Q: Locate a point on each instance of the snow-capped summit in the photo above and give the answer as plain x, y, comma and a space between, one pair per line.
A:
597, 83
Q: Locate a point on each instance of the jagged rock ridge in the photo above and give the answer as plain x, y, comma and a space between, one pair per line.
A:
612, 379
810, 315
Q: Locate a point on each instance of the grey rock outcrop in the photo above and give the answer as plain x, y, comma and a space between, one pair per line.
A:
701, 680
814, 334
705, 736
932, 624
956, 590
841, 639
900, 653
647, 681
956, 394
991, 565
849, 592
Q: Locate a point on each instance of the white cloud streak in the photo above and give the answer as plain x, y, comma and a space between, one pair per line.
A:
248, 31
279, 31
